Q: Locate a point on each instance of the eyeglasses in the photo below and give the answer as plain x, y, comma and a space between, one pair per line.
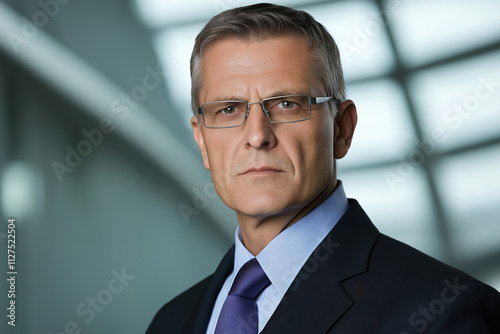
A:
279, 109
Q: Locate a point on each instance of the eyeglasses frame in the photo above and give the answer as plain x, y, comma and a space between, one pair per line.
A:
312, 101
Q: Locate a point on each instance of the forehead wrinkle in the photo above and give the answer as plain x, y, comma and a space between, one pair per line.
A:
273, 93
229, 98
244, 70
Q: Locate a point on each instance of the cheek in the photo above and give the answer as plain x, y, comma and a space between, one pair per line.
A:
217, 148
326, 142
317, 145
219, 153
317, 159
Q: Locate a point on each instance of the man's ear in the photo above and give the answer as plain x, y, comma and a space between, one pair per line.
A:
345, 123
198, 137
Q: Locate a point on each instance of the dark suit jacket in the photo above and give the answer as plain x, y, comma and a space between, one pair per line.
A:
357, 281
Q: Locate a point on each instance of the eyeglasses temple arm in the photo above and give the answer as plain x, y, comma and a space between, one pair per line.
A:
317, 100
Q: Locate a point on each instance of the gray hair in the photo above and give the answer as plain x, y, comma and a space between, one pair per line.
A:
261, 21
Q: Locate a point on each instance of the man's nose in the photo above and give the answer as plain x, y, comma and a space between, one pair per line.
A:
259, 132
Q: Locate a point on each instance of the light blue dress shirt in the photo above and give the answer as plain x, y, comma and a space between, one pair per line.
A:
284, 256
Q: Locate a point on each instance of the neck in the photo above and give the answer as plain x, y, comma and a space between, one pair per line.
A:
258, 231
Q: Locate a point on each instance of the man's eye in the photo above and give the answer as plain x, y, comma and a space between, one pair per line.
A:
228, 110
287, 105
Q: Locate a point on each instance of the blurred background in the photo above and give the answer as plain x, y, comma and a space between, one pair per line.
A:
115, 214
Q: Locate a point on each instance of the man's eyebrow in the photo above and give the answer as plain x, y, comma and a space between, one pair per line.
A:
227, 98
240, 98
287, 92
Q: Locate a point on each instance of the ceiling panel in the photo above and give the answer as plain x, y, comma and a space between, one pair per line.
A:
469, 186
157, 13
359, 32
404, 212
427, 30
384, 130
461, 100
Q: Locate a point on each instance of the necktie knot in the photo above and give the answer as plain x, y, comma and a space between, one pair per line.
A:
250, 280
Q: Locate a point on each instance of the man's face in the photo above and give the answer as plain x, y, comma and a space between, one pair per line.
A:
264, 169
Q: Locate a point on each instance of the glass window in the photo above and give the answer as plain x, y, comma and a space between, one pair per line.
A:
175, 61
427, 30
460, 99
360, 34
468, 185
403, 212
384, 130
156, 13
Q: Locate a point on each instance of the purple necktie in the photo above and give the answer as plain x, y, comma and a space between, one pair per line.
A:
239, 312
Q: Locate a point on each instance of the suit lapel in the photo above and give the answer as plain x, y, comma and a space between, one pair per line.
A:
316, 298
199, 320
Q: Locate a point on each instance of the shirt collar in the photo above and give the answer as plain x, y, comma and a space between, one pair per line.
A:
283, 257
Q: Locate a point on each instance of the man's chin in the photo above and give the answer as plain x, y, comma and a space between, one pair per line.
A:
263, 209
260, 200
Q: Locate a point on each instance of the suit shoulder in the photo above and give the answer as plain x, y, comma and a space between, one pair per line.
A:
428, 292
173, 315
414, 270
406, 259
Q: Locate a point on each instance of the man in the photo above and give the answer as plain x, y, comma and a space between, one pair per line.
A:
270, 120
